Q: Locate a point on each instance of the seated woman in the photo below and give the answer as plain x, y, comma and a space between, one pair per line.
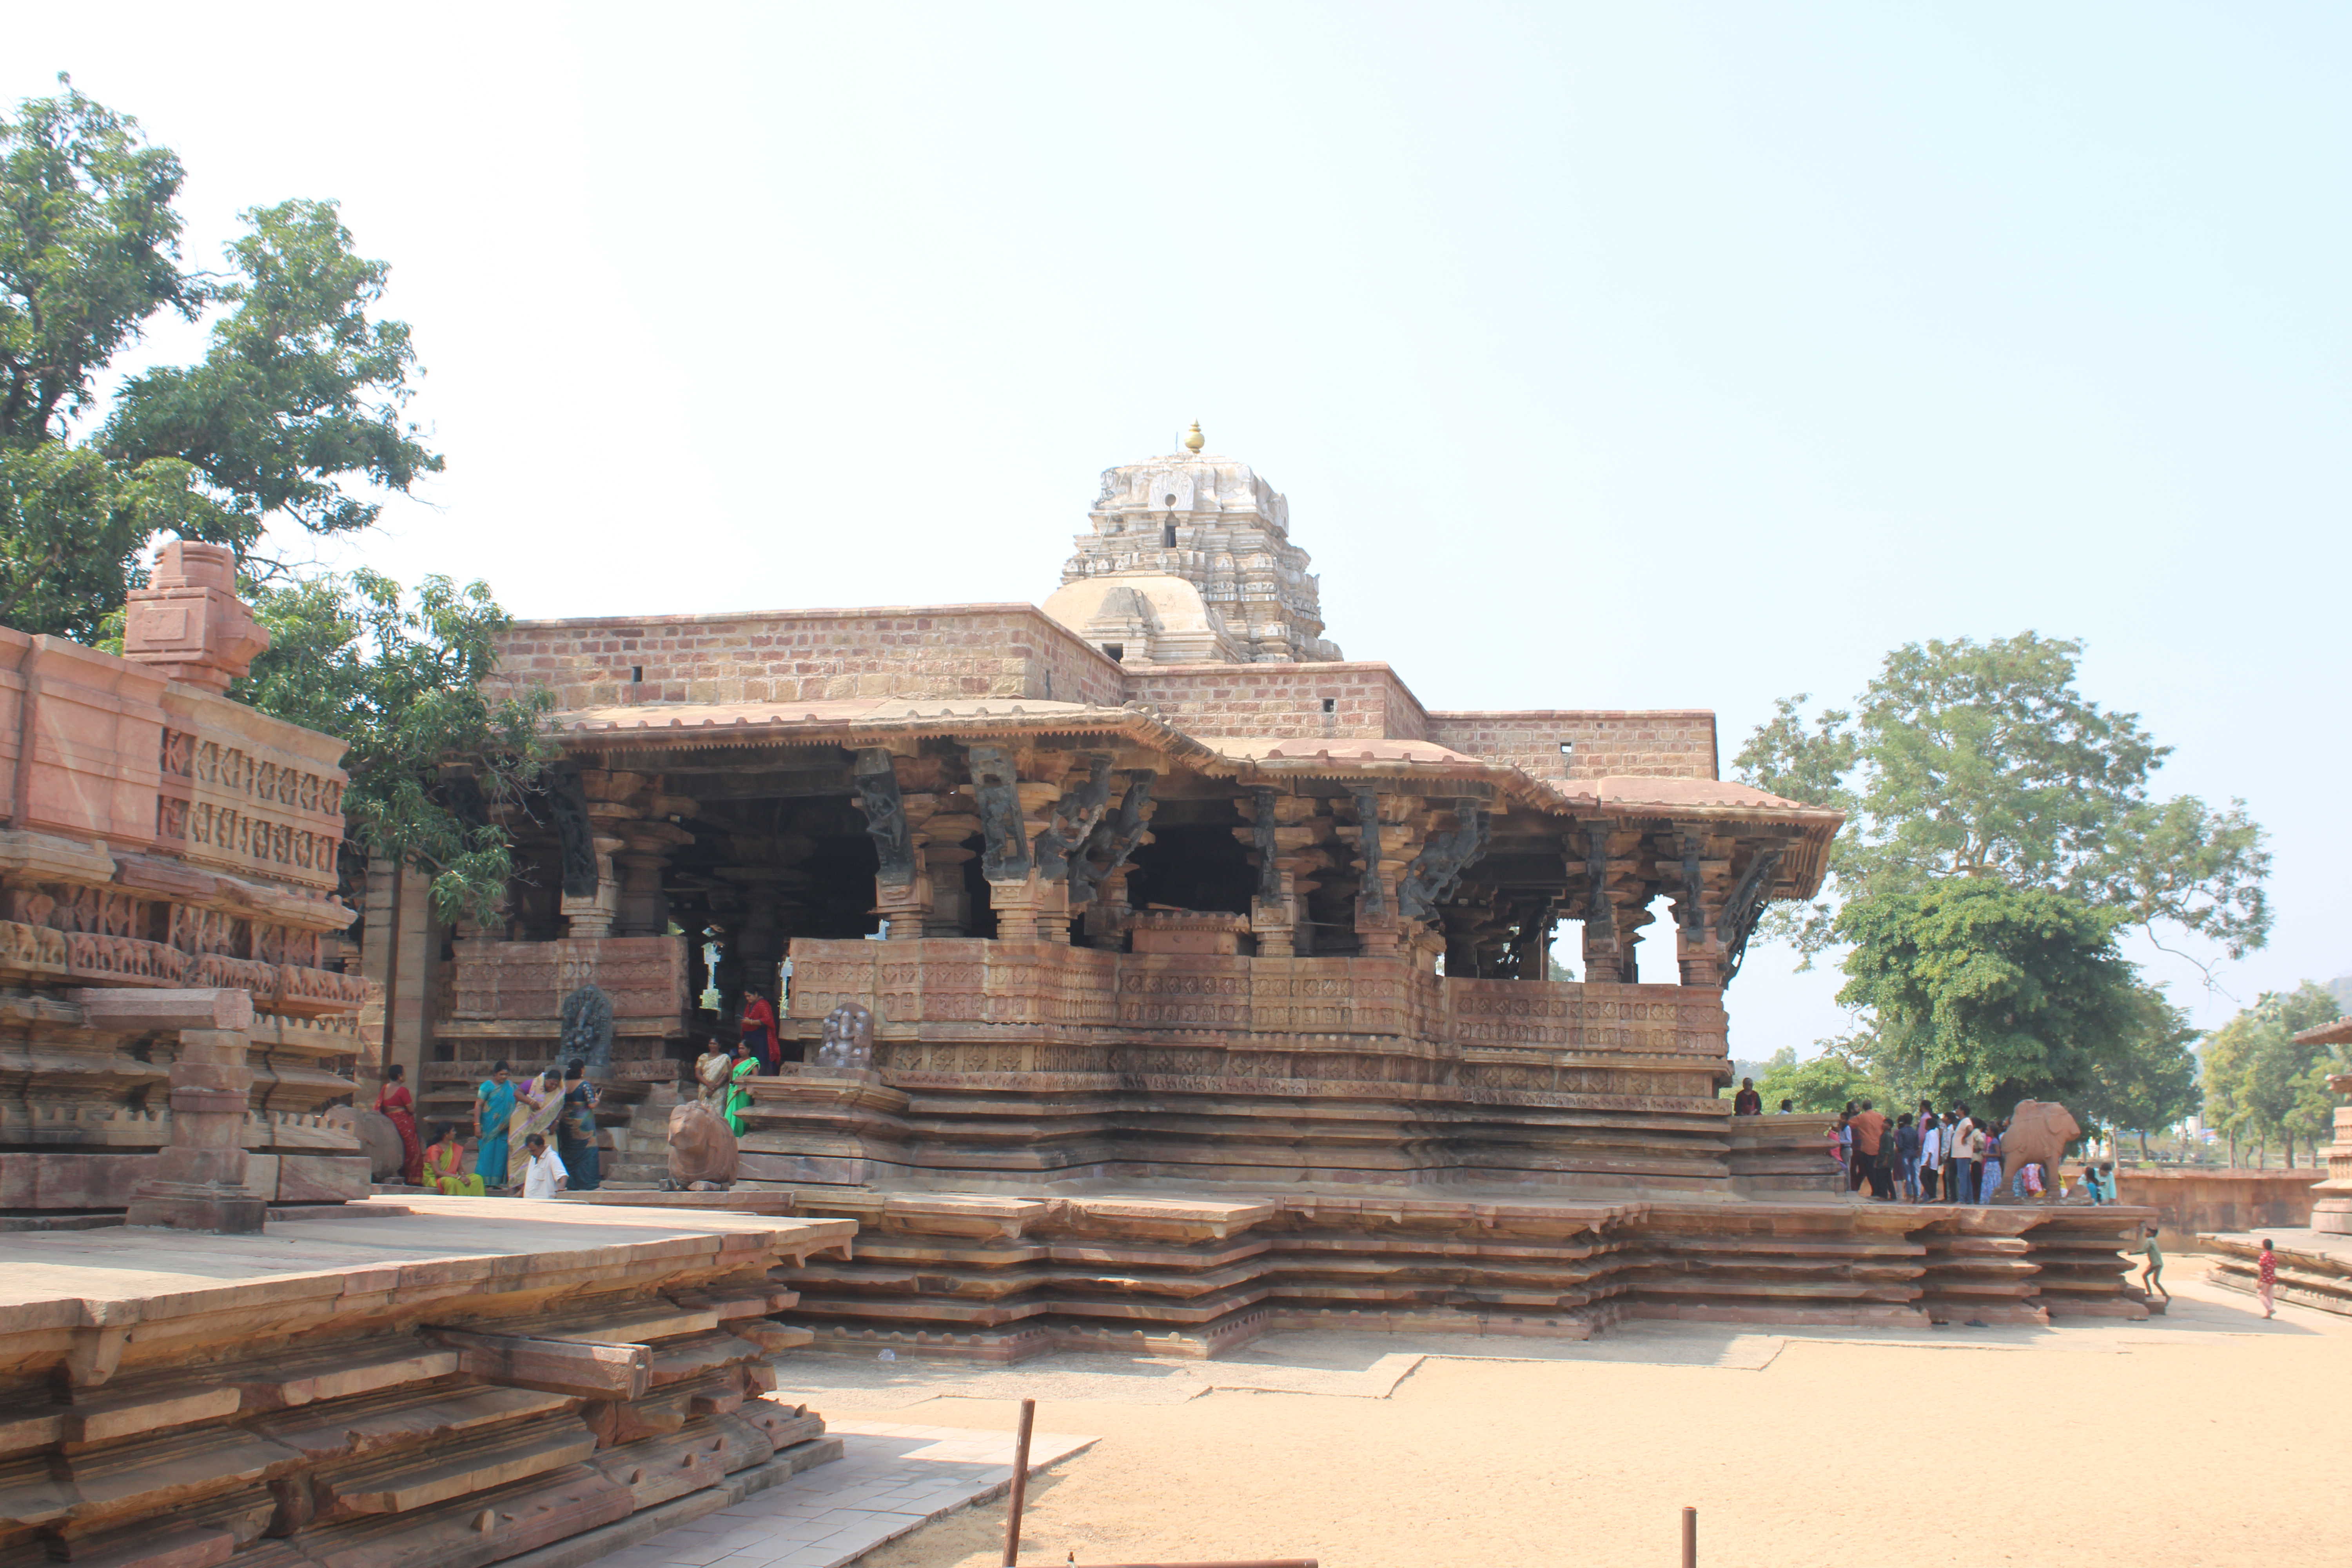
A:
445, 1165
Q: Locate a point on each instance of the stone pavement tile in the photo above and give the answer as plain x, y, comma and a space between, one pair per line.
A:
892, 1477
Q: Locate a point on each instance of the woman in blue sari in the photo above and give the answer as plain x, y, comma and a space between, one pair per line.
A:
494, 1103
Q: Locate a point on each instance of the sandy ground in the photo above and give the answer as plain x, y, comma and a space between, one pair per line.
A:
2208, 1437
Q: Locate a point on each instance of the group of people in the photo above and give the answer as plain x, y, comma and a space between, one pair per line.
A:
720, 1073
1928, 1156
532, 1137
536, 1137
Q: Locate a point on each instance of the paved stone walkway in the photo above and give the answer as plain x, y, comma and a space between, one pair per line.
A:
891, 1477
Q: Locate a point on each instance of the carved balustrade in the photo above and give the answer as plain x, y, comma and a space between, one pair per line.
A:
959, 1006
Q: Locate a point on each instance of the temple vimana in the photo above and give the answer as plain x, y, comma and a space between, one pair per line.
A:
1151, 975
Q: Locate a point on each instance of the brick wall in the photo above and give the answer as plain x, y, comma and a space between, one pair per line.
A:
955, 651
1282, 701
1673, 743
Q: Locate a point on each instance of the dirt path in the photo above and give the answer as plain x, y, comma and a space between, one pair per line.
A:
2205, 1439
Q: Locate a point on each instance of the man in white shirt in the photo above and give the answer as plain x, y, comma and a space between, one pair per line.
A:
1931, 1156
543, 1176
1965, 1145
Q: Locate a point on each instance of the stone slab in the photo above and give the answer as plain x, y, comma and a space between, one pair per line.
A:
892, 1477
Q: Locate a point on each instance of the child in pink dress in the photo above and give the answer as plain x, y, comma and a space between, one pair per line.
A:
2267, 1279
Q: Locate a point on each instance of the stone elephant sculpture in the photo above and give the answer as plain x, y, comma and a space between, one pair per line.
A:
379, 1139
2038, 1132
701, 1149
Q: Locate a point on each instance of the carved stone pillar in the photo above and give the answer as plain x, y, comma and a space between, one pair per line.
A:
1386, 835
1615, 903
1698, 883
1037, 811
1012, 813
894, 820
1274, 904
199, 1182
591, 911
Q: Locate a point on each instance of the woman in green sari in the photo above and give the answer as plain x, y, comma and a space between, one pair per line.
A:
738, 1100
539, 1106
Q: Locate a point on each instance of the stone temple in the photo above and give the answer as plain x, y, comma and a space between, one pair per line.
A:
1207, 970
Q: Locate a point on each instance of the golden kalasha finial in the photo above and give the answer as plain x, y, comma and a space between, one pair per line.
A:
1192, 439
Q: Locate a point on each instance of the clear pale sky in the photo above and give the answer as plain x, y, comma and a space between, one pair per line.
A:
1611, 356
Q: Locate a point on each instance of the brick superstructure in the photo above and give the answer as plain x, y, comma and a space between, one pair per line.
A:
1603, 742
1282, 701
945, 651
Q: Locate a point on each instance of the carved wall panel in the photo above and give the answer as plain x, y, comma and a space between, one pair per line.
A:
644, 976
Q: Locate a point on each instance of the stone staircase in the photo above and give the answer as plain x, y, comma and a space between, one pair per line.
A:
639, 1160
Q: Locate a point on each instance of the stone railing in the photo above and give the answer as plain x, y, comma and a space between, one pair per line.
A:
1383, 1004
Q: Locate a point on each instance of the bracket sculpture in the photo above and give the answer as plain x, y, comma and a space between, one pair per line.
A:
996, 784
877, 778
1115, 838
1439, 866
1074, 816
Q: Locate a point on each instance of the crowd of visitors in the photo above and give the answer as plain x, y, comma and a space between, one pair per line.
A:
536, 1137
1928, 1156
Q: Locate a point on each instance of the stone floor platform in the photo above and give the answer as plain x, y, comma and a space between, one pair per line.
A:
2314, 1266
892, 1477
1006, 1276
461, 1383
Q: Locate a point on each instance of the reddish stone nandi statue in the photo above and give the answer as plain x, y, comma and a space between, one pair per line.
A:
701, 1149
2038, 1132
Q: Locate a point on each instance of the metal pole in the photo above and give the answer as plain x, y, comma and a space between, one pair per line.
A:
1690, 1538
1019, 1484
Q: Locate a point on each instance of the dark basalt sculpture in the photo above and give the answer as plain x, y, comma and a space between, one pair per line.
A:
1439, 866
1114, 838
886, 817
1074, 816
1368, 852
1004, 857
567, 801
587, 1020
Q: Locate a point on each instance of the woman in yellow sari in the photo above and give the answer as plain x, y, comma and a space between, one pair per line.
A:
538, 1105
445, 1165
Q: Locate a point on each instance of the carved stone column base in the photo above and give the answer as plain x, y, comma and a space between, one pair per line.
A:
1031, 911
194, 1205
907, 906
1275, 927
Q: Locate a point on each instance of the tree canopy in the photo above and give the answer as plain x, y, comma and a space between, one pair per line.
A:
1982, 761
293, 416
1821, 1084
1991, 994
400, 679
293, 419
2261, 1083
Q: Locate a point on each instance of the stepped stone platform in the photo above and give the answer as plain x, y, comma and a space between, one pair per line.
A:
2314, 1266
1001, 1277
448, 1382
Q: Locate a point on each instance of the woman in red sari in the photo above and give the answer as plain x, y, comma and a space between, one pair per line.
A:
760, 1031
398, 1109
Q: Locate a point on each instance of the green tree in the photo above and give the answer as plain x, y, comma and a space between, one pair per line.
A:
298, 398
1989, 994
1983, 761
432, 762
2261, 1083
2149, 1083
1823, 1083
